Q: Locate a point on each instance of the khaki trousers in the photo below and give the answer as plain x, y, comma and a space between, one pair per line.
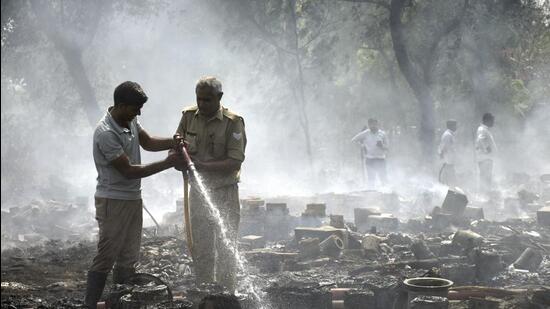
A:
212, 259
120, 223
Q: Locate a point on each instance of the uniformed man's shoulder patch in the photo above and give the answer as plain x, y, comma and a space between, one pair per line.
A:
237, 135
190, 109
231, 115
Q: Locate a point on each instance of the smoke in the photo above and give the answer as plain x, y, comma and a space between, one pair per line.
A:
349, 75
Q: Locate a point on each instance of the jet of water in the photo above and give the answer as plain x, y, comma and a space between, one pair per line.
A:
215, 212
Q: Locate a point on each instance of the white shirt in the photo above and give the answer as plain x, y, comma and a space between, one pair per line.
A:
369, 141
447, 147
485, 144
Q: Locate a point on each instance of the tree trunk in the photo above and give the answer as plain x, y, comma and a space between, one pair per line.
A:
75, 66
395, 101
300, 86
72, 55
419, 88
296, 82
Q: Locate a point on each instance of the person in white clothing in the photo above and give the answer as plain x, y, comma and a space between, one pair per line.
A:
375, 145
485, 152
447, 152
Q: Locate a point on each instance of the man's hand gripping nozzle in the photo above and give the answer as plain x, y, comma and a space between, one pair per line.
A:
183, 148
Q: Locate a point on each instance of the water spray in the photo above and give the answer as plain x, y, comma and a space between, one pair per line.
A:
197, 180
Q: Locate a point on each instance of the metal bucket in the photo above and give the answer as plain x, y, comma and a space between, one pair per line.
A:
428, 286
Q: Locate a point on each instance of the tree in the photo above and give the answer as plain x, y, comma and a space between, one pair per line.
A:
419, 73
83, 18
295, 31
48, 85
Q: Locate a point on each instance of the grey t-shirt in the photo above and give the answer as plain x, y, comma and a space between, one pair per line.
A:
110, 142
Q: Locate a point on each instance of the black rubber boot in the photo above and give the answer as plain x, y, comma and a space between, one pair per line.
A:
121, 274
94, 288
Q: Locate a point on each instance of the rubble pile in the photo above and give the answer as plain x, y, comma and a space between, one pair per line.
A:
40, 221
53, 274
167, 258
307, 254
49, 275
486, 262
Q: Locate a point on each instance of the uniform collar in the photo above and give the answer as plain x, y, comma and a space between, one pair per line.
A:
219, 114
113, 123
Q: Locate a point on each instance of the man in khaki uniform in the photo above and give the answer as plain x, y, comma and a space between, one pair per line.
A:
216, 142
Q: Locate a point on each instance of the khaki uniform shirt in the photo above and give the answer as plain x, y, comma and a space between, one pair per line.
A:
217, 138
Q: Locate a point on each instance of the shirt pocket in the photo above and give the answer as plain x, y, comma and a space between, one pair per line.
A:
192, 142
218, 147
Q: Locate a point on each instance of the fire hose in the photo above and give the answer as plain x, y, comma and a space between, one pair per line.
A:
186, 209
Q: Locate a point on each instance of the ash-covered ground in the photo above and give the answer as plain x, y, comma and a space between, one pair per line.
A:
345, 250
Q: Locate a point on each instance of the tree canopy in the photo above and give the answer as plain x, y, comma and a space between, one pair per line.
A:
310, 72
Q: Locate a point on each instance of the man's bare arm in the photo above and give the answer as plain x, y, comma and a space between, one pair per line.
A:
358, 138
133, 171
153, 143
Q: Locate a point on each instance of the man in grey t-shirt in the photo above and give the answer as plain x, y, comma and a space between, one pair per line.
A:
116, 150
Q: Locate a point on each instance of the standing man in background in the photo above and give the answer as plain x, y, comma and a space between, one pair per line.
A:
116, 150
375, 145
216, 142
485, 152
447, 152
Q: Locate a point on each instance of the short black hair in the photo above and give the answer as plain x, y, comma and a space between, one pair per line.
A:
487, 117
220, 301
129, 93
451, 122
372, 120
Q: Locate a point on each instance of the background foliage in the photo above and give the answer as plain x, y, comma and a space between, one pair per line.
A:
305, 74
